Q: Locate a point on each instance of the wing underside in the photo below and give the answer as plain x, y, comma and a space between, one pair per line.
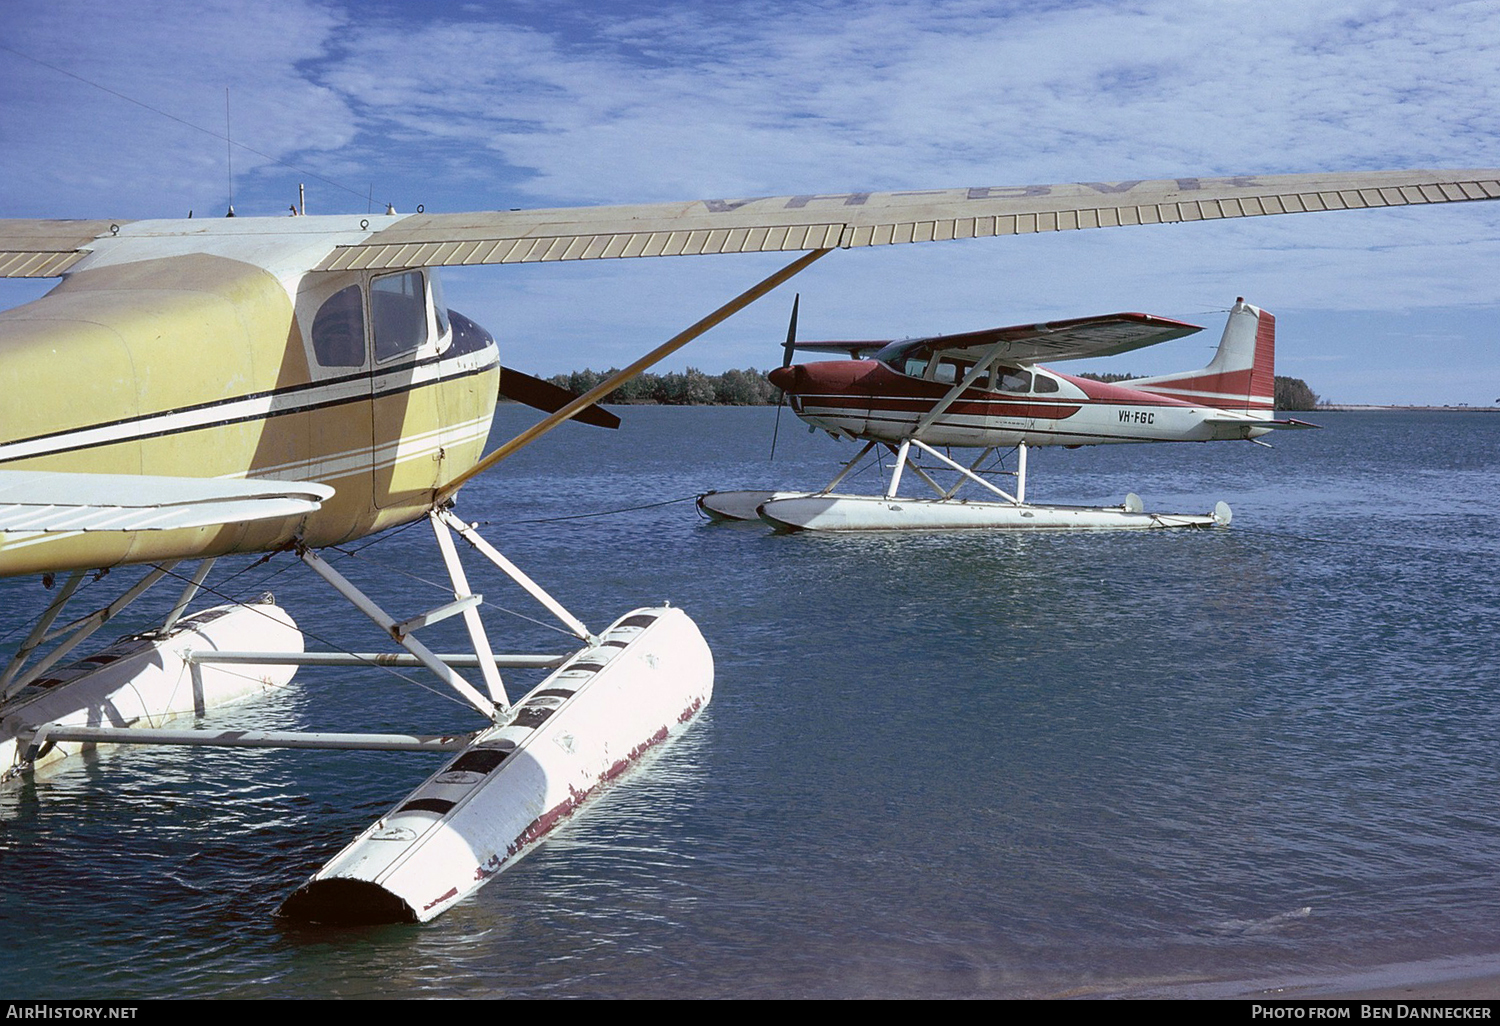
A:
798, 223
49, 502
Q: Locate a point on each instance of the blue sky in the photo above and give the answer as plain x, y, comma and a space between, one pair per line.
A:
495, 105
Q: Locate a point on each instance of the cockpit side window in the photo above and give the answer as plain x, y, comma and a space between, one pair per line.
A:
1042, 383
951, 372
338, 331
398, 308
916, 366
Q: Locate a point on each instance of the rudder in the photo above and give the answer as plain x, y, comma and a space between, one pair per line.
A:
1242, 374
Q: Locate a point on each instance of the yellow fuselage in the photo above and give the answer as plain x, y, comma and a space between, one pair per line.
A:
206, 366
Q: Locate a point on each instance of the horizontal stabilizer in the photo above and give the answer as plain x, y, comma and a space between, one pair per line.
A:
36, 500
854, 349
1289, 423
544, 395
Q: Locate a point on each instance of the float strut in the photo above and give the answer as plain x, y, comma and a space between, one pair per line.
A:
426, 656
82, 629
477, 636
515, 573
1018, 499
890, 492
848, 467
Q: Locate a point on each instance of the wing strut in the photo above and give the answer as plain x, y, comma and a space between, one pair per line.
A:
615, 380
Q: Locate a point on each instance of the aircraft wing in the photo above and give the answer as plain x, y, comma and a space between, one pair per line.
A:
33, 500
45, 249
810, 222
1075, 339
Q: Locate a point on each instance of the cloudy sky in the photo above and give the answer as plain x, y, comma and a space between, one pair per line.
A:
119, 110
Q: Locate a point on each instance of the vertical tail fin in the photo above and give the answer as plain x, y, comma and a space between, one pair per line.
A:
1242, 374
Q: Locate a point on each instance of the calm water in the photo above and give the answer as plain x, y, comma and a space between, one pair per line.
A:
943, 765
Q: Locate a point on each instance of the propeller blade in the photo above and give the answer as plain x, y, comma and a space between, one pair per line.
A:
776, 430
544, 395
790, 344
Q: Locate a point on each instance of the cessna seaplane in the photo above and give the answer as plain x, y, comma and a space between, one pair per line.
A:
987, 390
201, 388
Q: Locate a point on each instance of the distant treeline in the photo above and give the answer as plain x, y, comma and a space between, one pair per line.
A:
691, 387
1293, 394
749, 387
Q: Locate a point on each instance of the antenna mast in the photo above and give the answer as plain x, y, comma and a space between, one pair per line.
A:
229, 151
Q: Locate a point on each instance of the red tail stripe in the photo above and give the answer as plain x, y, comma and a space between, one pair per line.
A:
1244, 383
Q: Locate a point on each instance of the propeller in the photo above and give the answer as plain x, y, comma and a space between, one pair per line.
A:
790, 346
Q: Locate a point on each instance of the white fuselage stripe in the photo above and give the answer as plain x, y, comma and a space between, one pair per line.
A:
257, 407
1198, 393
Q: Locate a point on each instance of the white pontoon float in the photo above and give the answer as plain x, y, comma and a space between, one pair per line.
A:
831, 511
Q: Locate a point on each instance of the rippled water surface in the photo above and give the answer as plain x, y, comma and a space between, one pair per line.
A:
948, 764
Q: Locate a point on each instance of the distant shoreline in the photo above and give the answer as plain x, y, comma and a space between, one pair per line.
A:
1344, 407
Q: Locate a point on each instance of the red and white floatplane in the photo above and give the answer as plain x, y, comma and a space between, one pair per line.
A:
987, 390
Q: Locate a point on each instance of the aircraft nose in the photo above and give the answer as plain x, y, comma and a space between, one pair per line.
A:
785, 378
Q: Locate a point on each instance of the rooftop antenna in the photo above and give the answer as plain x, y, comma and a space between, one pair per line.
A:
229, 151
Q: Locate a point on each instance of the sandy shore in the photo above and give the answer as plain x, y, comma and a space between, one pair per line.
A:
1477, 988
1468, 979
1471, 978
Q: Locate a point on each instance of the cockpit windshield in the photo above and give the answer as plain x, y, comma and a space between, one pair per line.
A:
915, 359
896, 355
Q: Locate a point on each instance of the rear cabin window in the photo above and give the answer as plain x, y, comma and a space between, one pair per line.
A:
1013, 380
338, 331
398, 308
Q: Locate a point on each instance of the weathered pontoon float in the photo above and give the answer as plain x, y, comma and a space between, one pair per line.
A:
603, 706
586, 724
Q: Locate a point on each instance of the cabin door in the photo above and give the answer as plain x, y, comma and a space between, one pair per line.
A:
405, 390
